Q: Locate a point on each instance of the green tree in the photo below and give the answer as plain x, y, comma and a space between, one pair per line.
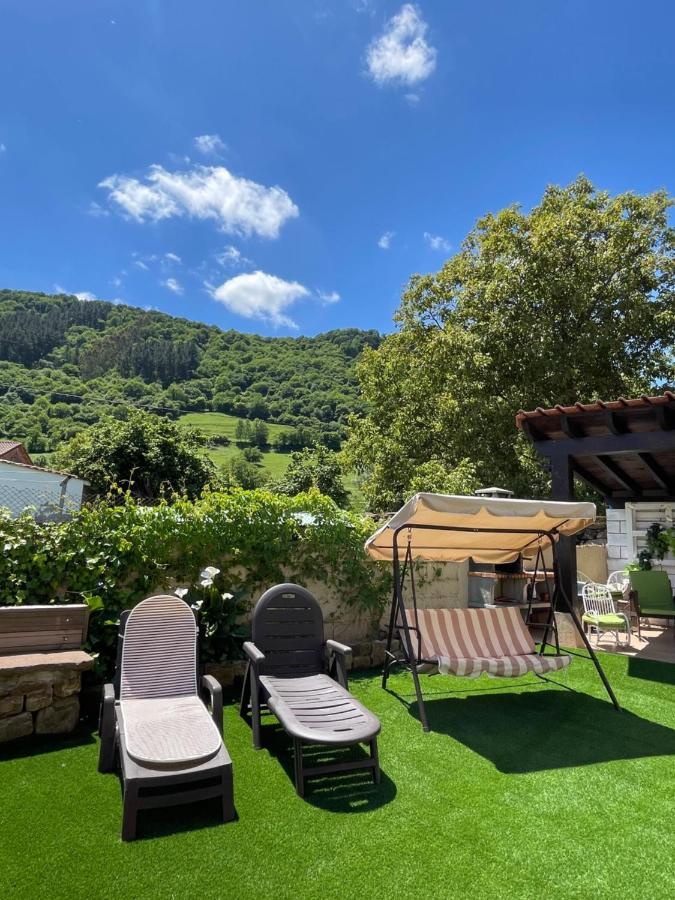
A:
259, 433
242, 430
245, 474
314, 468
145, 452
573, 301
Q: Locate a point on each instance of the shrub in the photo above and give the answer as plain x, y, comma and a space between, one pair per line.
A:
114, 554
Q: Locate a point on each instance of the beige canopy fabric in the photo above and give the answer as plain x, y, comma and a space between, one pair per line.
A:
518, 524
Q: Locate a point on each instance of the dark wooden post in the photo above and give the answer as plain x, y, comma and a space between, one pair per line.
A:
562, 488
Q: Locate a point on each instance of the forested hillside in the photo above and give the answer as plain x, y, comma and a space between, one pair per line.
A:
66, 362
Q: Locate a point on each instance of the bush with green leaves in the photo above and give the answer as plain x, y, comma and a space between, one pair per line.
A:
112, 555
315, 467
149, 454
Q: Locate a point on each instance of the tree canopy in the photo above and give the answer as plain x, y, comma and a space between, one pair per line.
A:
65, 363
147, 454
572, 301
314, 468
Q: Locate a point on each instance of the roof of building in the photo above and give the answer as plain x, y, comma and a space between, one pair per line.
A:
623, 448
10, 462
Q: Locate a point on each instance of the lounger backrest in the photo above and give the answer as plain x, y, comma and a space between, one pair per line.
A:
159, 653
287, 625
598, 600
470, 633
653, 589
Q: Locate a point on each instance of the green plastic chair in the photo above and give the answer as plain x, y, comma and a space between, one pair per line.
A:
652, 595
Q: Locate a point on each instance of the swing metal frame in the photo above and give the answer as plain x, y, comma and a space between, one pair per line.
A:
398, 618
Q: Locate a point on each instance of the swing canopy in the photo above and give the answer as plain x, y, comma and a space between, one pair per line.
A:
448, 528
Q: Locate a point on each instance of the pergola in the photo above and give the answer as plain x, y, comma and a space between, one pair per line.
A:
624, 449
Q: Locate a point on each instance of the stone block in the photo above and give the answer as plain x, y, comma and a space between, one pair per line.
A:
16, 727
362, 662
66, 684
35, 681
10, 706
378, 652
8, 686
60, 718
39, 699
364, 648
222, 672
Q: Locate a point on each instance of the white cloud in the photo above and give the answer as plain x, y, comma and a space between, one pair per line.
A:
384, 242
436, 242
116, 281
3, 148
237, 205
328, 297
401, 53
140, 265
257, 295
172, 257
85, 295
231, 257
210, 144
98, 211
173, 285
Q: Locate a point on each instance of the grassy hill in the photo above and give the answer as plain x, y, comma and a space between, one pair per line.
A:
65, 362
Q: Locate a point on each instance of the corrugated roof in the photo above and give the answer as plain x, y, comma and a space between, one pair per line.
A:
643, 402
10, 462
623, 448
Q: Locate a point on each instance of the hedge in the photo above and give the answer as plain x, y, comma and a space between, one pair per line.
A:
113, 555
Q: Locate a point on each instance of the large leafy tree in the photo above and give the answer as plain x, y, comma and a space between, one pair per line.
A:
572, 301
317, 468
145, 453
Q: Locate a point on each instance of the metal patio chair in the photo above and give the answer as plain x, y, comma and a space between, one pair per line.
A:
170, 749
600, 612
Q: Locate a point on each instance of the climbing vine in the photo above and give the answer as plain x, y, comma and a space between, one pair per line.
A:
113, 555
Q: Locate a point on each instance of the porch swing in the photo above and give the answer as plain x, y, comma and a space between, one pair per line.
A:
493, 640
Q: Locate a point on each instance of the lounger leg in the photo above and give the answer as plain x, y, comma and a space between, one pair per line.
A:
299, 775
228, 796
376, 759
255, 710
129, 812
245, 692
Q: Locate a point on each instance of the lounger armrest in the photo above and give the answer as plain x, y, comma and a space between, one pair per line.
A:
254, 654
337, 661
337, 647
215, 692
106, 729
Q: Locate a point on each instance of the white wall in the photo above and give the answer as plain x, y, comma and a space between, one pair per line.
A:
38, 490
627, 533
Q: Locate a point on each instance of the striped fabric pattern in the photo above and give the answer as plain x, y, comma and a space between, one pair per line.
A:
159, 654
468, 642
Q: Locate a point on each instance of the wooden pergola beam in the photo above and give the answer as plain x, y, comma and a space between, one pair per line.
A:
659, 474
615, 471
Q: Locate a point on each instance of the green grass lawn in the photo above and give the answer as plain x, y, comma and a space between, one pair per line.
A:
523, 789
220, 423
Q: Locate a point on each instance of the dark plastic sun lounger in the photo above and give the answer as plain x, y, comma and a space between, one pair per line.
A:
170, 749
287, 673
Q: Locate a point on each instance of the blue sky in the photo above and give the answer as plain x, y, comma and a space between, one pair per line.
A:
283, 167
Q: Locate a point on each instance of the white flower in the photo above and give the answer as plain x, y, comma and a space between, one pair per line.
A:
227, 596
180, 592
207, 576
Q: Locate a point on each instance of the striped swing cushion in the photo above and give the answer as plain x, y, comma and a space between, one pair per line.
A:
468, 642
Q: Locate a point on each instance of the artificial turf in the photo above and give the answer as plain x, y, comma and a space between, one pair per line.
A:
522, 789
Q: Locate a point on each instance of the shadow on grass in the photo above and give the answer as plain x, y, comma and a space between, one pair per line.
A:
346, 792
538, 730
169, 820
651, 670
37, 744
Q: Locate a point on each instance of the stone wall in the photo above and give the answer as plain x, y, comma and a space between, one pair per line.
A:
39, 693
364, 655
